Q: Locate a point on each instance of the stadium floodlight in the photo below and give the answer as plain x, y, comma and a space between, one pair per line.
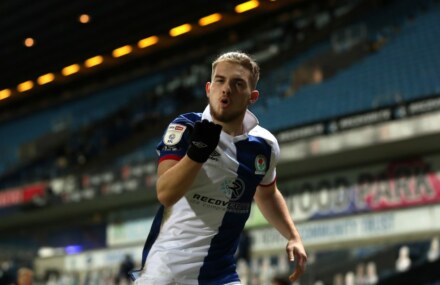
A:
179, 30
93, 61
246, 6
84, 18
210, 19
5, 93
29, 42
124, 50
25, 86
46, 78
69, 70
148, 42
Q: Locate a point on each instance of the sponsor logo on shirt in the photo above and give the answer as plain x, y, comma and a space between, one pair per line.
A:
221, 205
173, 134
260, 164
233, 188
210, 200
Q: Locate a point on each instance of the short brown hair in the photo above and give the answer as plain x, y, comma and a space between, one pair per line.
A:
244, 60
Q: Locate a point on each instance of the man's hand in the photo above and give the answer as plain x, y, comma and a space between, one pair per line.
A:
204, 140
296, 252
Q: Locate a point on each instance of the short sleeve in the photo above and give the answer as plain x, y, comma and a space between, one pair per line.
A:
271, 174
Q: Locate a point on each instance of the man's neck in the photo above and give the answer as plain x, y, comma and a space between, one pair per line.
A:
234, 131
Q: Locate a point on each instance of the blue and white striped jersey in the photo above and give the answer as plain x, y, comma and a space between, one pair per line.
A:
197, 237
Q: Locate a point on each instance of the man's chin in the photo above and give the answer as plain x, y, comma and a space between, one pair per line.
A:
224, 116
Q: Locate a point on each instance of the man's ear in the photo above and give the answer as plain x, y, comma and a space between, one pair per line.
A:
254, 96
207, 88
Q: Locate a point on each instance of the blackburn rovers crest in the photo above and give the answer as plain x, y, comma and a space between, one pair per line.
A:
260, 164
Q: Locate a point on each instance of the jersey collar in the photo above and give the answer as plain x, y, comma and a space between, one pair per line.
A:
250, 120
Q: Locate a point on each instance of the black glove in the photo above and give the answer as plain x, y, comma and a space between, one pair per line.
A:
204, 139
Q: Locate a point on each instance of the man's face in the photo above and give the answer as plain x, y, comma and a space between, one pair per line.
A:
25, 279
230, 92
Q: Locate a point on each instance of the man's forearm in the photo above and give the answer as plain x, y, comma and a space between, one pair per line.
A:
274, 209
175, 179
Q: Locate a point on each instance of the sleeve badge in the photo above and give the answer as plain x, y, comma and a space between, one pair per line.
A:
173, 134
260, 164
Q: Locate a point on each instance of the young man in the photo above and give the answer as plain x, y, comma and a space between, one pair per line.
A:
212, 166
25, 276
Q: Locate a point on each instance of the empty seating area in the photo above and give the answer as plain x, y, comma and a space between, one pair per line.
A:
404, 68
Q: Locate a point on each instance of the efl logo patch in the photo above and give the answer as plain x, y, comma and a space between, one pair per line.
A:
174, 134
